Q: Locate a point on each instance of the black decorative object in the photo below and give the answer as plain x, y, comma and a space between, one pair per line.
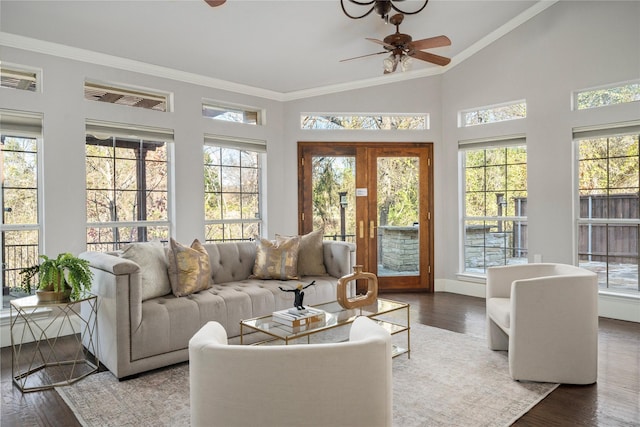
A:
299, 294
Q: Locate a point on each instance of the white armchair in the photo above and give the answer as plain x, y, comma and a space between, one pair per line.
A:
341, 384
546, 316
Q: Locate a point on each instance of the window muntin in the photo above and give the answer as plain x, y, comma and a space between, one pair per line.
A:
494, 225
16, 77
609, 214
605, 96
19, 198
232, 188
493, 114
364, 122
124, 96
236, 114
127, 191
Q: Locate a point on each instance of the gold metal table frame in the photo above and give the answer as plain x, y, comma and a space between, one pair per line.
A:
36, 363
391, 315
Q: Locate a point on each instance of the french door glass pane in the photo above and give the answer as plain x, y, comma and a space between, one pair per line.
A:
398, 207
334, 202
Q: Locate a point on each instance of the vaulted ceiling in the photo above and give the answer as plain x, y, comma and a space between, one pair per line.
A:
282, 46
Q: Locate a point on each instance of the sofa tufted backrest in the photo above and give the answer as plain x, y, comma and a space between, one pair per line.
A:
231, 261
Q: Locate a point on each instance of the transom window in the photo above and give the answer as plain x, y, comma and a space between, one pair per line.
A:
232, 189
125, 96
236, 114
493, 114
365, 122
19, 197
609, 214
17, 77
127, 186
608, 95
494, 223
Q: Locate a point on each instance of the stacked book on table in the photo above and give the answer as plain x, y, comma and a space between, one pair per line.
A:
295, 318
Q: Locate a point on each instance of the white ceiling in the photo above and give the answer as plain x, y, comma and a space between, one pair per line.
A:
284, 46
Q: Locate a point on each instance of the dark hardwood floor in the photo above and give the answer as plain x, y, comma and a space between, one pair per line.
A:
613, 401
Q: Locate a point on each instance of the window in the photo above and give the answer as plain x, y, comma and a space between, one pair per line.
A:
237, 114
609, 217
608, 95
365, 122
494, 225
127, 185
17, 77
493, 114
19, 166
232, 188
124, 96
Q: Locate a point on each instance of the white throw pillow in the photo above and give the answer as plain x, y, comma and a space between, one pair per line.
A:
151, 258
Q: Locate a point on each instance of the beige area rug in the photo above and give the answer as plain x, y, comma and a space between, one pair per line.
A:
451, 379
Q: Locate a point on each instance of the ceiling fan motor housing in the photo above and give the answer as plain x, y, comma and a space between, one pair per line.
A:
397, 41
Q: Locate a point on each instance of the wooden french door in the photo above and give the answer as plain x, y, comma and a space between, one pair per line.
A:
378, 196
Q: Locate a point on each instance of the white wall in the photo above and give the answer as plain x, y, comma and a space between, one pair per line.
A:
569, 46
65, 111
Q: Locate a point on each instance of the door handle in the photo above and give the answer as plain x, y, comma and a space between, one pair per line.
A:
361, 229
372, 229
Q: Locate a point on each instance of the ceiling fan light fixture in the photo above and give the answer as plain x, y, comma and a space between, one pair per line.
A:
406, 62
389, 63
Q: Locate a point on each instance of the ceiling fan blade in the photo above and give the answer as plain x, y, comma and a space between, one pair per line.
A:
430, 57
363, 56
387, 45
431, 42
215, 3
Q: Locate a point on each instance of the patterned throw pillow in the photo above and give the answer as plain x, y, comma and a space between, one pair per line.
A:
276, 260
310, 254
153, 267
189, 268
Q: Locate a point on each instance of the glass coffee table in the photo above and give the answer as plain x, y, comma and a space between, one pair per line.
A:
391, 315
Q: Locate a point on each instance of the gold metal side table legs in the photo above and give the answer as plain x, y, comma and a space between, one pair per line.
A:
40, 360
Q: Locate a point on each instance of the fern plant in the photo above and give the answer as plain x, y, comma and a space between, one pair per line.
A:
57, 274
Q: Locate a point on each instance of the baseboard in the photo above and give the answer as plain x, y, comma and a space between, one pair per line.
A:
613, 306
473, 289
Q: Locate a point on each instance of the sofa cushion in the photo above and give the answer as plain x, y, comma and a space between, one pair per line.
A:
150, 255
189, 268
310, 254
276, 260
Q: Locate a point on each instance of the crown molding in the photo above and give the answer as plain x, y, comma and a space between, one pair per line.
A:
84, 55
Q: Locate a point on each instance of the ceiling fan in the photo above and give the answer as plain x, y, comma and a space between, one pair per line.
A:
402, 48
214, 3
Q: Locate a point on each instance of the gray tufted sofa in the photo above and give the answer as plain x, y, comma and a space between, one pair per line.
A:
136, 336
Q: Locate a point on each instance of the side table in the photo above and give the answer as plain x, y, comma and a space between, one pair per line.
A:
40, 357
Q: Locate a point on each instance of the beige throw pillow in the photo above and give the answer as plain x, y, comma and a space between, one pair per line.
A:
189, 268
310, 254
153, 267
276, 260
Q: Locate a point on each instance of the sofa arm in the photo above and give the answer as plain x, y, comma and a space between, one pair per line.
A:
339, 257
110, 263
118, 285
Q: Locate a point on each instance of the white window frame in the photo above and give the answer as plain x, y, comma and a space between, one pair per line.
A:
304, 117
490, 108
256, 146
102, 129
28, 125
481, 144
576, 94
602, 131
224, 107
